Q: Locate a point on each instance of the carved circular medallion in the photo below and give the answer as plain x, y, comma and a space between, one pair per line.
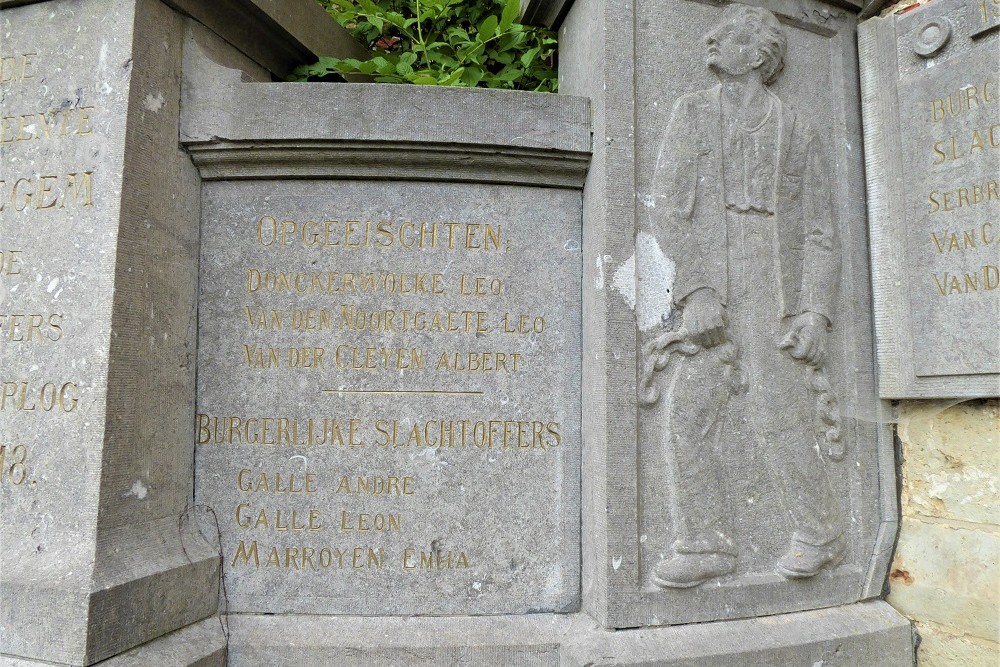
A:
931, 37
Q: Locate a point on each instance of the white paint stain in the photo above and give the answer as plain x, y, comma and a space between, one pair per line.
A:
553, 580
616, 562
52, 285
153, 102
138, 490
645, 281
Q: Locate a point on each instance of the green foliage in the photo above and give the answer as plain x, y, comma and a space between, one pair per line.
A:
471, 43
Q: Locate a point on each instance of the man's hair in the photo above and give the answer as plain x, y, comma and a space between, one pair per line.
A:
771, 38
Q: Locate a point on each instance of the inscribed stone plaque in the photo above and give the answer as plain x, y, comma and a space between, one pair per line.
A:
933, 125
61, 142
389, 395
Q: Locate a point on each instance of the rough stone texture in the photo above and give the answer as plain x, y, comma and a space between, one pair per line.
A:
640, 529
948, 574
951, 470
201, 644
933, 196
946, 570
940, 647
869, 634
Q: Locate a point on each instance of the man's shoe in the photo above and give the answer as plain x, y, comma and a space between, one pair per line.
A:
802, 561
685, 570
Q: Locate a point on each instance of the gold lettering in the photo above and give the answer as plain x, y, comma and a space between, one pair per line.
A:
10, 261
963, 196
246, 554
46, 397
13, 464
381, 234
957, 147
987, 278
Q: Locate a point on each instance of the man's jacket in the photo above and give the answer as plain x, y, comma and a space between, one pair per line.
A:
689, 220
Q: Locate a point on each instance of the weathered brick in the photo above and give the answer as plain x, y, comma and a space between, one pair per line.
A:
951, 460
940, 648
948, 574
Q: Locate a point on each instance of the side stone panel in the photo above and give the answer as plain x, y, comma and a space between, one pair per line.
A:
727, 254
930, 107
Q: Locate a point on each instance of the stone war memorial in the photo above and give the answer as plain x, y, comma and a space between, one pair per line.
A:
371, 374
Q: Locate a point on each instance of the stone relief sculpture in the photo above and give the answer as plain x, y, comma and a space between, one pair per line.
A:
742, 205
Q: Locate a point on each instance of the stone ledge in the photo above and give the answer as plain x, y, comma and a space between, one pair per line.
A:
276, 34
217, 106
239, 131
550, 13
201, 644
152, 580
356, 160
167, 580
870, 634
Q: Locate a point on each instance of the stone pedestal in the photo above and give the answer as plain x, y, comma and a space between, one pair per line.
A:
99, 211
310, 373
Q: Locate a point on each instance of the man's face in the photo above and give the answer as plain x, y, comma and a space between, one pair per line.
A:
733, 48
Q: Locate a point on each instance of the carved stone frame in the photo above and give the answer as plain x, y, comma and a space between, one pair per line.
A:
614, 591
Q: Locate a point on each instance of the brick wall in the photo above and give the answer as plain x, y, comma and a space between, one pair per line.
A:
945, 575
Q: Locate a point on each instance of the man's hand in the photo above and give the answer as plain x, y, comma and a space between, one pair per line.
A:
806, 340
704, 318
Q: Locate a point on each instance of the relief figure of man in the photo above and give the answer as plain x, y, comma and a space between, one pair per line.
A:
742, 206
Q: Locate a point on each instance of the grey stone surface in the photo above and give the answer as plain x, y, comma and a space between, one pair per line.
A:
201, 644
103, 558
218, 109
423, 362
748, 361
870, 634
764, 481
99, 214
932, 134
505, 137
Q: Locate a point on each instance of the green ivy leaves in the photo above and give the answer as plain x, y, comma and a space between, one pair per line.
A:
470, 43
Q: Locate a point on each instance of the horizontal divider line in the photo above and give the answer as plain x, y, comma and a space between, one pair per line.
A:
402, 391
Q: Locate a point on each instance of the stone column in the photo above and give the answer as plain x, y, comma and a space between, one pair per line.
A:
99, 229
